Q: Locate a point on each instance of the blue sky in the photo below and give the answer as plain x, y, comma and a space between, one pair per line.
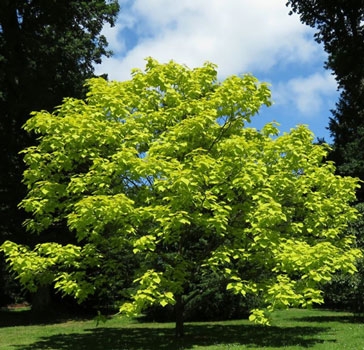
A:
240, 36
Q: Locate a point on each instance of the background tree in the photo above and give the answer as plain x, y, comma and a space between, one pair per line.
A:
47, 50
347, 291
164, 165
340, 27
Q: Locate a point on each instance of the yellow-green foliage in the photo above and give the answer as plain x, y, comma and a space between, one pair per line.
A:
165, 162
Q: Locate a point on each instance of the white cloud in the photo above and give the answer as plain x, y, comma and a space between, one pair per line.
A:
116, 44
238, 35
307, 94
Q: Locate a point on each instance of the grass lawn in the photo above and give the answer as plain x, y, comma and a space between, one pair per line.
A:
292, 329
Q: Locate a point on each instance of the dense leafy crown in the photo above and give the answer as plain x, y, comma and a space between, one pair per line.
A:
45, 44
164, 163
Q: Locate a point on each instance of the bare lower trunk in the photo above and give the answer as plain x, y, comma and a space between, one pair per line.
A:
179, 308
41, 299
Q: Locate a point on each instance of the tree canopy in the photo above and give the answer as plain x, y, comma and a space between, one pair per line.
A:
340, 28
165, 165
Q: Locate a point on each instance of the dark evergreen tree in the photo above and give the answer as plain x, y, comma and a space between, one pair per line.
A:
347, 291
47, 50
340, 28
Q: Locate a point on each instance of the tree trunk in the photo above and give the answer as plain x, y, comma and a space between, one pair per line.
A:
41, 299
179, 308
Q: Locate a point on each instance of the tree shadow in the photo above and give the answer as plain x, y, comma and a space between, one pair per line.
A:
328, 319
11, 318
145, 338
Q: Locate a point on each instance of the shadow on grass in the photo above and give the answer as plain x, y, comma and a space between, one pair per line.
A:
11, 318
327, 319
145, 338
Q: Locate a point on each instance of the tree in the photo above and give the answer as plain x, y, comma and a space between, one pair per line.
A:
165, 165
340, 27
47, 50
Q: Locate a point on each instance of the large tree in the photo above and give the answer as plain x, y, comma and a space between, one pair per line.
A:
47, 50
164, 165
340, 27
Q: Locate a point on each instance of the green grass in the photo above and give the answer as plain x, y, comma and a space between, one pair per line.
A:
293, 329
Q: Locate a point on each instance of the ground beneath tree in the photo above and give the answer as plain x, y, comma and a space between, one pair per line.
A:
15, 306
